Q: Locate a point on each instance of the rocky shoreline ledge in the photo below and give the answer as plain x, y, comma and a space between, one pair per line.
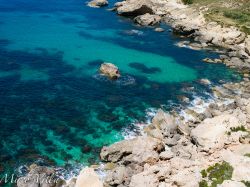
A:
208, 147
205, 148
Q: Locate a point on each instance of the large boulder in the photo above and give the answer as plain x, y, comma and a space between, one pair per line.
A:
229, 183
151, 176
88, 178
165, 122
134, 7
147, 19
110, 70
139, 150
97, 3
211, 134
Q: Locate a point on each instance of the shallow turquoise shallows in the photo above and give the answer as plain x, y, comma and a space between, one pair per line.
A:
55, 109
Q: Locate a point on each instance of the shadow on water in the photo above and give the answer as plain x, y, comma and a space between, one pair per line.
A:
141, 67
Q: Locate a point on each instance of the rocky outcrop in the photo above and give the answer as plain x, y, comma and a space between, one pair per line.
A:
190, 22
88, 178
140, 150
134, 8
110, 70
211, 134
147, 19
97, 3
174, 150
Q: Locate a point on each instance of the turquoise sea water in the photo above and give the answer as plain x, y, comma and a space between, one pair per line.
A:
54, 107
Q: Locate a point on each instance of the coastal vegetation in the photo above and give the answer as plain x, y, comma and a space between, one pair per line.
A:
227, 13
216, 174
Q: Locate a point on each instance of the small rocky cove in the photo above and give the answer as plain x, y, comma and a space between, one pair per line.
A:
204, 145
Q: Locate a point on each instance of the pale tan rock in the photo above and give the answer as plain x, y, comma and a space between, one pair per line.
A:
144, 180
88, 178
248, 109
241, 165
205, 81
151, 175
97, 3
165, 122
138, 150
241, 149
110, 70
158, 29
166, 155
229, 183
147, 19
211, 134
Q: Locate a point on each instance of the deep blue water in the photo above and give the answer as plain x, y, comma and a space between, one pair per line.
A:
55, 109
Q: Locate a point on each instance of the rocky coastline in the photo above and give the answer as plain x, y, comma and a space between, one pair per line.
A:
194, 147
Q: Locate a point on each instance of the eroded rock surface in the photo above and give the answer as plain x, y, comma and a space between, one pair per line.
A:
147, 19
110, 70
97, 3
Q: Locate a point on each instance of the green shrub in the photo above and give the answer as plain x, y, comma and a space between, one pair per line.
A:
187, 2
239, 128
203, 183
216, 174
247, 183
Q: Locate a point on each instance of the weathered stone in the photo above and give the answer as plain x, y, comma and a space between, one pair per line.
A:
97, 3
165, 122
138, 150
211, 133
147, 19
135, 8
241, 165
158, 29
110, 70
248, 109
229, 183
88, 178
184, 129
166, 155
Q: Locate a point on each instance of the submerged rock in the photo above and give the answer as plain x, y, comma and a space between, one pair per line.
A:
158, 29
97, 3
147, 19
110, 70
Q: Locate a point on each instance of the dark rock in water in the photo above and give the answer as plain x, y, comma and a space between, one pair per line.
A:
61, 129
110, 70
1, 168
107, 117
86, 149
4, 157
141, 67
